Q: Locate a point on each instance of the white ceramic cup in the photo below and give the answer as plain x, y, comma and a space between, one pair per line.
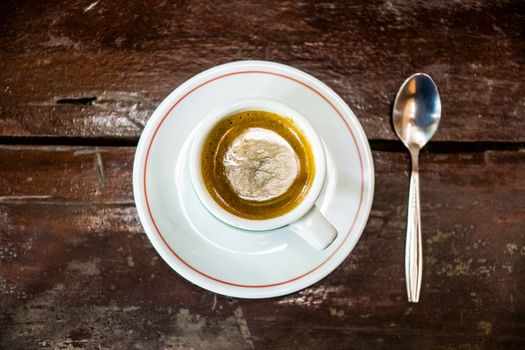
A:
305, 219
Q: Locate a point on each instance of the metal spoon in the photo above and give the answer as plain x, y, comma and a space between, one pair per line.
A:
416, 115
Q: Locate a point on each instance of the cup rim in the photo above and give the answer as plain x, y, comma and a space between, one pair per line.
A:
269, 105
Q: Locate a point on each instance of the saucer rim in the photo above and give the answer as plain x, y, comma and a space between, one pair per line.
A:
238, 290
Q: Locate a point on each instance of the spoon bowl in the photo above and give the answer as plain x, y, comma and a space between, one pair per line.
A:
417, 110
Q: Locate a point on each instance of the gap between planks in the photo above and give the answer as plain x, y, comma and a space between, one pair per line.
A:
375, 144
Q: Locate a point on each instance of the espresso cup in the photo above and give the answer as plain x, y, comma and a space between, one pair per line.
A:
305, 219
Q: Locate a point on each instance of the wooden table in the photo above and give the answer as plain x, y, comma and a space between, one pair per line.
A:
80, 78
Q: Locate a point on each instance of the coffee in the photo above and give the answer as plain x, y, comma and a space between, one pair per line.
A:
257, 165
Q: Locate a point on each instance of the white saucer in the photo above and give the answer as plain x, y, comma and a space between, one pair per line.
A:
219, 257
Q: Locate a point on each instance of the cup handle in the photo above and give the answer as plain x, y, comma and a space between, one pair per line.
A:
315, 229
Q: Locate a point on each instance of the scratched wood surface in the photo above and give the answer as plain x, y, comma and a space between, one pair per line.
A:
98, 68
78, 81
77, 270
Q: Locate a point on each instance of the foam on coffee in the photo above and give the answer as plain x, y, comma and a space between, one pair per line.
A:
257, 164
260, 164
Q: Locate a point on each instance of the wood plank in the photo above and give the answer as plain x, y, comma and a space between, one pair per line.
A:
78, 271
53, 173
129, 56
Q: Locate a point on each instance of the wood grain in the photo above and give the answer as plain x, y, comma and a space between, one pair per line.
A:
76, 269
56, 57
78, 272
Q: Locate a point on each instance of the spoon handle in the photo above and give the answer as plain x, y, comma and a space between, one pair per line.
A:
413, 248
